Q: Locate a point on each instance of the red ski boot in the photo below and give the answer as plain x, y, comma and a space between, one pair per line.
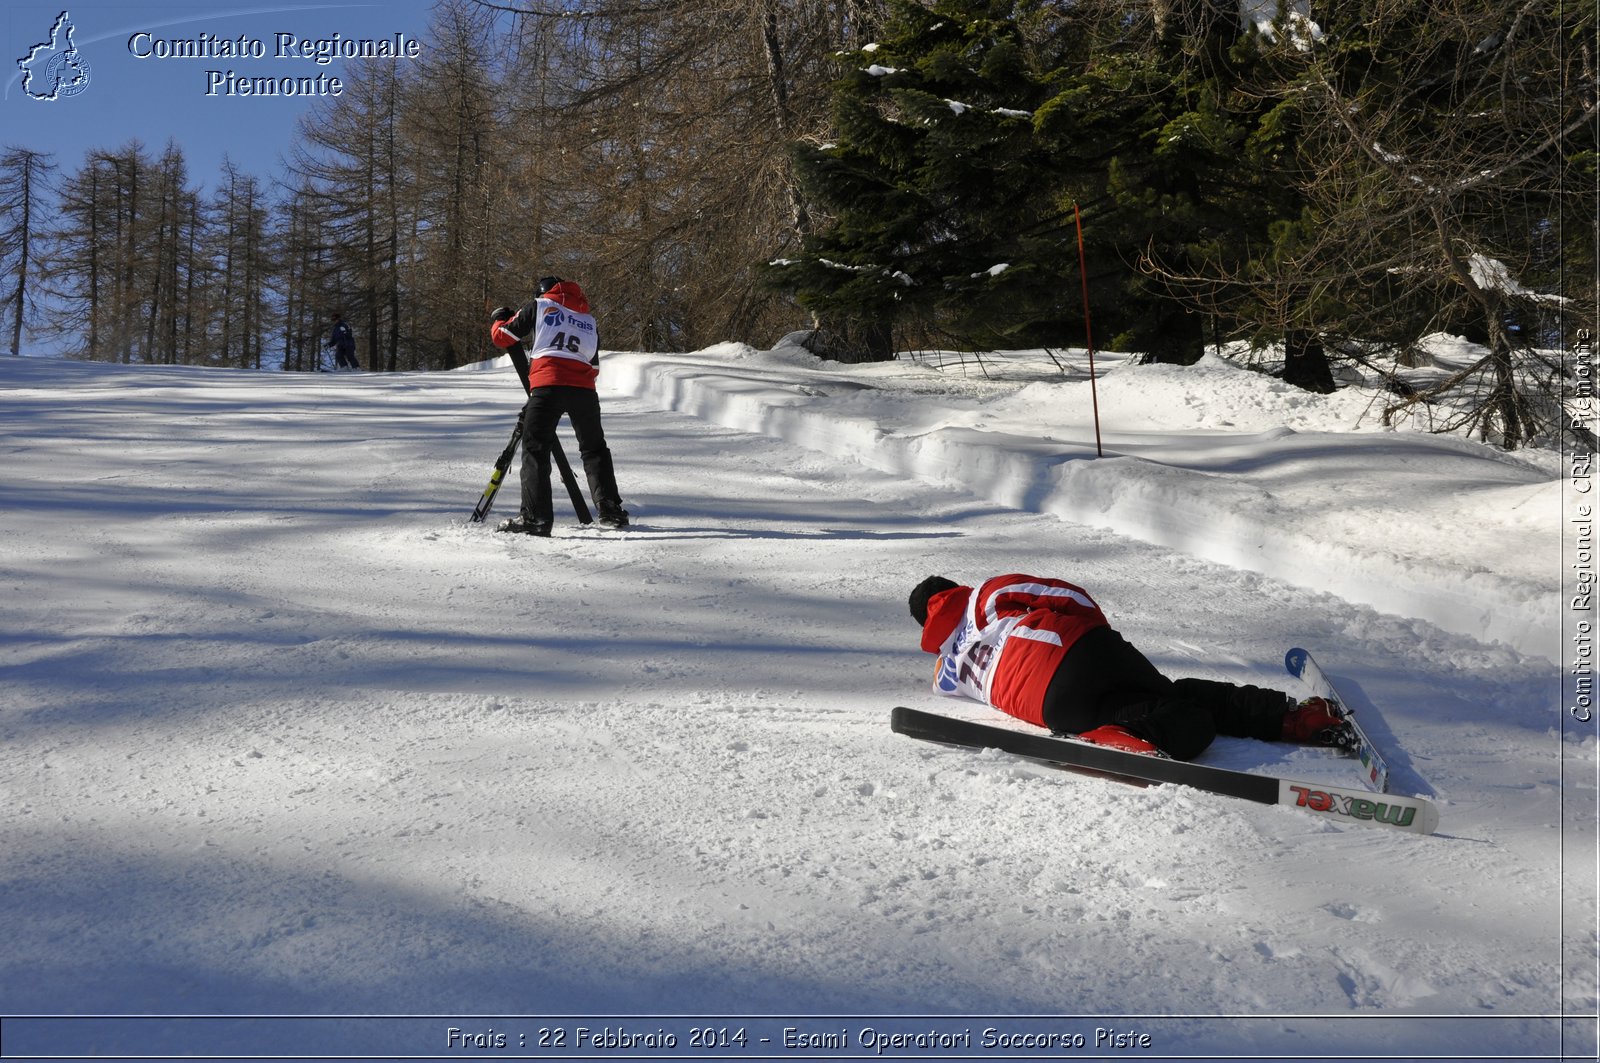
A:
1315, 722
1113, 737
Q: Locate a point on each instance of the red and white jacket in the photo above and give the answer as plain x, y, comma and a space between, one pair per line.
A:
562, 342
1001, 644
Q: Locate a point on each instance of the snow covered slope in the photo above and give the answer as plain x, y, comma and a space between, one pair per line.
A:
280, 733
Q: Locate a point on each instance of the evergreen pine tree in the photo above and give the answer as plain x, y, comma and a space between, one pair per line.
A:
1180, 170
942, 221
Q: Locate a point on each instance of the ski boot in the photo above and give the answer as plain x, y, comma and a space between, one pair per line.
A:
523, 526
1113, 737
1316, 722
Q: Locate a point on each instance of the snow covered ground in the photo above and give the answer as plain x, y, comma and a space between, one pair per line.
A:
282, 734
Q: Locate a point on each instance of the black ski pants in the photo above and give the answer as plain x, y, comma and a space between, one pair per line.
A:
1104, 679
544, 410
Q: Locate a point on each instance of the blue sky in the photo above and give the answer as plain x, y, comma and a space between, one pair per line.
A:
155, 99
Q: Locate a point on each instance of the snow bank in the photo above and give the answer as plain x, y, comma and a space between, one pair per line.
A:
1214, 460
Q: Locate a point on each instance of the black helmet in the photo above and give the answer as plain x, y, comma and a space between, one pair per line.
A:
928, 588
546, 283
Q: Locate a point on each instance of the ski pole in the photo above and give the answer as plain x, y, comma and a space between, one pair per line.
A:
1088, 334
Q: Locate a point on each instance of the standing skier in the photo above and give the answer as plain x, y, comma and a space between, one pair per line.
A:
556, 346
343, 342
1041, 650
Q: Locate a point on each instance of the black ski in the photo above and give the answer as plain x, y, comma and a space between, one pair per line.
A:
579, 506
1415, 814
480, 512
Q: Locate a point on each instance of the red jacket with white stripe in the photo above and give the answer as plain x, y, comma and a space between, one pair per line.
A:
562, 342
1001, 644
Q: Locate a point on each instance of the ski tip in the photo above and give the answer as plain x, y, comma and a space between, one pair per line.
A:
1415, 815
917, 724
1426, 820
1295, 661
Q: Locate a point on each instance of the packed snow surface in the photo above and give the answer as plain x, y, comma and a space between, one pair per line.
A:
282, 733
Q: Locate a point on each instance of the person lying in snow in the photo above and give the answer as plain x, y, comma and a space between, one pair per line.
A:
1041, 650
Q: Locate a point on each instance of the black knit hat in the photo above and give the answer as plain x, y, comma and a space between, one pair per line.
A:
924, 591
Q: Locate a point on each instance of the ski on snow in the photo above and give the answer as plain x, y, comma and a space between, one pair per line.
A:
1414, 814
1304, 667
480, 512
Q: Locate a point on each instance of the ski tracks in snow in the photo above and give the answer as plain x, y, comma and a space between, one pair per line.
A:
305, 746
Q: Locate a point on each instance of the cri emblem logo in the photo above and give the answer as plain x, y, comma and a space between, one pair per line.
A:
55, 69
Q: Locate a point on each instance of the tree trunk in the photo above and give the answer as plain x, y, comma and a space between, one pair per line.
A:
1305, 363
1179, 338
852, 342
22, 267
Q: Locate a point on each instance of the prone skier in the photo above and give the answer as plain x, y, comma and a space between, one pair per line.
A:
1041, 649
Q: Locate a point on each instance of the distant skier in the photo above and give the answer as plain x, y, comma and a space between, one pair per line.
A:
1041, 650
554, 341
343, 342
